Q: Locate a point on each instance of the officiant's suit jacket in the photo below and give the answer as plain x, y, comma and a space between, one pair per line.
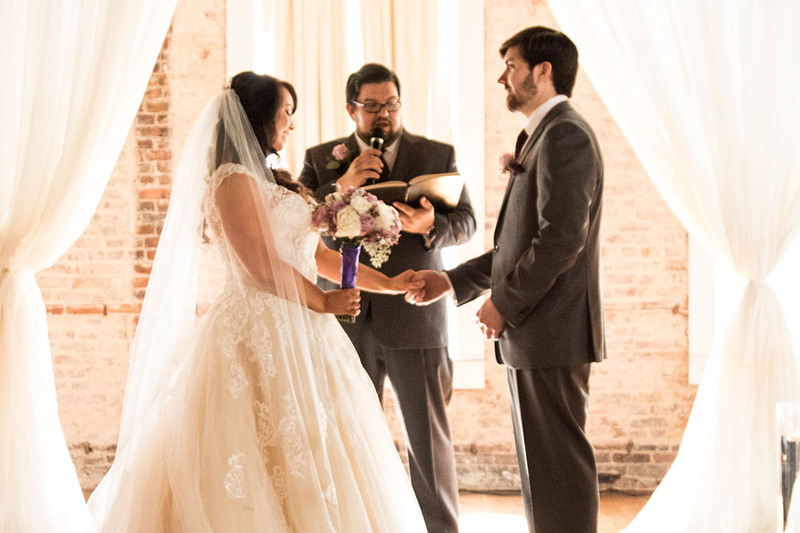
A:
544, 269
398, 324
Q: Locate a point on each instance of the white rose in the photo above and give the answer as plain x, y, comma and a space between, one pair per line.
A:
348, 223
360, 204
386, 216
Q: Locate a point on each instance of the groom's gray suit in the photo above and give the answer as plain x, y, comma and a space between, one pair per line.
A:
408, 343
544, 277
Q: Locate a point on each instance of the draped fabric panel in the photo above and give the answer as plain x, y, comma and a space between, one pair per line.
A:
309, 44
73, 76
318, 44
706, 93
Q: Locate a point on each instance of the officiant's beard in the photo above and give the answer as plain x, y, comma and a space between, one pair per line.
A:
388, 129
517, 100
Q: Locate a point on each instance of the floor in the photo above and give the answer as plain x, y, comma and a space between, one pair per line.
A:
482, 512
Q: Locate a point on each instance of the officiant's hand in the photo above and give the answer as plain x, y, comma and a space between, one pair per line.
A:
366, 166
405, 282
342, 302
418, 220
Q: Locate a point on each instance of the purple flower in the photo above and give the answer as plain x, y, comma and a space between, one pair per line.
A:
509, 165
367, 223
319, 216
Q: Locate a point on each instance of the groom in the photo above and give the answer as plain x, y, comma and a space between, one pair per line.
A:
544, 310
407, 344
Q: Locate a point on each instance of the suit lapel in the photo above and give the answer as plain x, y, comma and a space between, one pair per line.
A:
503, 205
523, 156
407, 156
352, 145
553, 113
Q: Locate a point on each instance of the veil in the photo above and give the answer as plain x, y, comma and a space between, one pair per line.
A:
221, 135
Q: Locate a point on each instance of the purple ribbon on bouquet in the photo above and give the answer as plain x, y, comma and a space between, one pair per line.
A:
349, 270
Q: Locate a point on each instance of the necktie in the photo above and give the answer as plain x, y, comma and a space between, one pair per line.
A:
385, 171
523, 136
384, 174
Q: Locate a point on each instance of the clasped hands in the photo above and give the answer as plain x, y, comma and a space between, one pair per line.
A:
422, 287
428, 286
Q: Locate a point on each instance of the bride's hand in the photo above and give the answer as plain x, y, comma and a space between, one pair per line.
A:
404, 282
343, 302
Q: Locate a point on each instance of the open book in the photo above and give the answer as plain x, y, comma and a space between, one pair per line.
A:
443, 190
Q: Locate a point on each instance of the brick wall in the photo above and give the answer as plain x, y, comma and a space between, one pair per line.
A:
640, 396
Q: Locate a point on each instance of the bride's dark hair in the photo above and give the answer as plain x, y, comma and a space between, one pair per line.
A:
260, 96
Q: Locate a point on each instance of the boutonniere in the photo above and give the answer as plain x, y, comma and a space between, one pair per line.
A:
509, 165
340, 157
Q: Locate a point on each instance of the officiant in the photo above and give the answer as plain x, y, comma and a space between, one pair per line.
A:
404, 343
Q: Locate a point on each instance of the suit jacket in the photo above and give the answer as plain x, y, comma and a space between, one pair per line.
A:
398, 324
544, 269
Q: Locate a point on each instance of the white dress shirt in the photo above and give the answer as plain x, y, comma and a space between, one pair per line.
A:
389, 150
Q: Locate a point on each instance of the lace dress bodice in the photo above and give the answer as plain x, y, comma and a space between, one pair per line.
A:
289, 218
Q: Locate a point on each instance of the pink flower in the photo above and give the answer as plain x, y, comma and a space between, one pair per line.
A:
340, 158
340, 152
505, 160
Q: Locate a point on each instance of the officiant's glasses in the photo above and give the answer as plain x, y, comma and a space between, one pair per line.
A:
375, 107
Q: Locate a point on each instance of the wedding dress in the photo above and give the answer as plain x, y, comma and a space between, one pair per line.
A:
265, 420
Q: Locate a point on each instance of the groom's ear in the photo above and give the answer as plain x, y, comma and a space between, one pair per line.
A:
545, 70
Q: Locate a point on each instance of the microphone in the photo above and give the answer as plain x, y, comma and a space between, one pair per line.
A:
376, 139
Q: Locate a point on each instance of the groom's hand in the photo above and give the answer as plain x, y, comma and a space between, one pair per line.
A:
435, 286
366, 166
490, 320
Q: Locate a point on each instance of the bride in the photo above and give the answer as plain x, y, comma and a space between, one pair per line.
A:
258, 417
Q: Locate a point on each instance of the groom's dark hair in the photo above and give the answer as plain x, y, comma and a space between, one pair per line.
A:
539, 44
369, 73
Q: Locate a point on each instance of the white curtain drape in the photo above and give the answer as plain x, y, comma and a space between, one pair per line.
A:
73, 76
308, 44
417, 39
706, 93
316, 45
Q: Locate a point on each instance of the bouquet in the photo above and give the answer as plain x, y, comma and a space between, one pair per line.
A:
357, 219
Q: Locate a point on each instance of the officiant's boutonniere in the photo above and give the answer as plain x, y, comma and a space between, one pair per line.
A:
340, 157
509, 165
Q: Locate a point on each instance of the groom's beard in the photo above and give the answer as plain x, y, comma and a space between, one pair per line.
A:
527, 91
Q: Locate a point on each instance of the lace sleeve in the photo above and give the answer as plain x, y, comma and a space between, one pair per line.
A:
213, 182
218, 176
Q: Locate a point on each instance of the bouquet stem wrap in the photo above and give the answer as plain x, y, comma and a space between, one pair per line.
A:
349, 270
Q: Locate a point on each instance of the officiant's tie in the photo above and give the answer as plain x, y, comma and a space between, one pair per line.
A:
384, 171
523, 136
